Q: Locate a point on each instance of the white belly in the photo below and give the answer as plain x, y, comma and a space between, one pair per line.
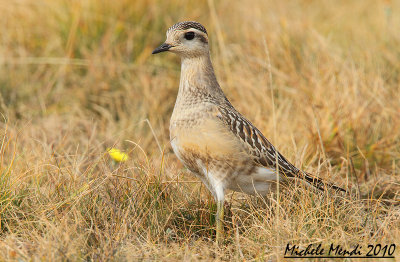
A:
174, 144
259, 182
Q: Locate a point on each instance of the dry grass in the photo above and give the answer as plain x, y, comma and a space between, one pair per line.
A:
77, 77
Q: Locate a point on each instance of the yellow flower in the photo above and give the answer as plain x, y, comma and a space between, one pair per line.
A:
117, 155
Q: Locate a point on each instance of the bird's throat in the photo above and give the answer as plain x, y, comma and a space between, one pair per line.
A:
197, 75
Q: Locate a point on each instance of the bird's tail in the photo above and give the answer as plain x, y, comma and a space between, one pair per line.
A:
318, 182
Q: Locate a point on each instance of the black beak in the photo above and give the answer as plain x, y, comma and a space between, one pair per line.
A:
162, 48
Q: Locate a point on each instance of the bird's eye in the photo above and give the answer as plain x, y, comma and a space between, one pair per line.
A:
189, 35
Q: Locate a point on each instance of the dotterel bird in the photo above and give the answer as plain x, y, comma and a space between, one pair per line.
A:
211, 138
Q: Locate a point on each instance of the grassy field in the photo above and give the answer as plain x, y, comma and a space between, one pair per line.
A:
321, 79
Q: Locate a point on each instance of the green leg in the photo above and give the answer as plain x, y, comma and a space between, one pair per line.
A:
219, 218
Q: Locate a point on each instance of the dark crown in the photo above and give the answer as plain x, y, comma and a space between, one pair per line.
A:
186, 25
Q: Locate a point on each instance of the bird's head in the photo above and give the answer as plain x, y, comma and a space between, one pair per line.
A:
187, 39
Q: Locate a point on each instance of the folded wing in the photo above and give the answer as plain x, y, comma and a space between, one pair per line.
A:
262, 151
